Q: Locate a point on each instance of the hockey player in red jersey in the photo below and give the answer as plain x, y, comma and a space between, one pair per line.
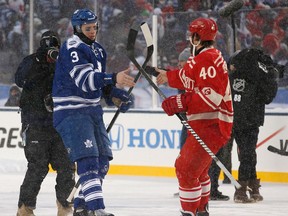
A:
208, 106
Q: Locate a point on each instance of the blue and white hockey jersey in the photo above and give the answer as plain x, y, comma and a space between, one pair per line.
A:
79, 78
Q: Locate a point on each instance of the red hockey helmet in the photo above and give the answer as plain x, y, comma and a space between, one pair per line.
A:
206, 28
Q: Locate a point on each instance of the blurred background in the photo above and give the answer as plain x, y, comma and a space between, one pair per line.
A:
259, 23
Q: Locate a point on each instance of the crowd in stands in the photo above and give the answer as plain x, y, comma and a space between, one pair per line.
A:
258, 23
14, 27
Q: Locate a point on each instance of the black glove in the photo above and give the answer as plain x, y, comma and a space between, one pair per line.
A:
151, 71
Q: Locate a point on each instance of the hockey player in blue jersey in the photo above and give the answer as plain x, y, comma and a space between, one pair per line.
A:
80, 82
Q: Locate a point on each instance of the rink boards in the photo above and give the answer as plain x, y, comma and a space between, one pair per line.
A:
146, 143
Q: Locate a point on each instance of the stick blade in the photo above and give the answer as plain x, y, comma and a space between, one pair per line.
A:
147, 34
131, 39
133, 32
277, 151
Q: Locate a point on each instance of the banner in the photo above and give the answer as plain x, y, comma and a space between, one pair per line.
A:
147, 143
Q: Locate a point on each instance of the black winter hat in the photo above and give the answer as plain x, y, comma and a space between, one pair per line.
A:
50, 39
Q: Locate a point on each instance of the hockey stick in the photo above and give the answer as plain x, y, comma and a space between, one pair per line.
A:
71, 195
150, 49
130, 52
277, 151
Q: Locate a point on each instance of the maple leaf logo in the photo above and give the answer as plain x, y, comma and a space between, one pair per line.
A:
88, 143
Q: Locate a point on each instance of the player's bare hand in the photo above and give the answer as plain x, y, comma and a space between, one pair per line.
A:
124, 79
162, 77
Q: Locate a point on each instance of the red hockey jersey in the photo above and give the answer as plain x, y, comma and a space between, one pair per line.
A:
206, 83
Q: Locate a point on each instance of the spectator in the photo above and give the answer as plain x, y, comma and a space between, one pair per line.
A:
142, 92
14, 96
183, 58
8, 18
18, 6
49, 11
271, 45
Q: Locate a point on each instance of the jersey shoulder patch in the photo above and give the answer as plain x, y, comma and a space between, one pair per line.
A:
73, 42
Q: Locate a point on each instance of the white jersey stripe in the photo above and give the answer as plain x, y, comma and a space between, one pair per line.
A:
210, 116
78, 106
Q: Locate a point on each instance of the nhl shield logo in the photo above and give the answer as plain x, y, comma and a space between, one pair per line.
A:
239, 85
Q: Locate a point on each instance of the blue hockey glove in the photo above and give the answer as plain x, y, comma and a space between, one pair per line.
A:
117, 97
123, 106
121, 99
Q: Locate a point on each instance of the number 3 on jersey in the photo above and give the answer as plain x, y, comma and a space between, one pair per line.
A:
74, 56
211, 72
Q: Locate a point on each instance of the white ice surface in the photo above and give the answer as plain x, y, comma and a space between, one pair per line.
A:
145, 196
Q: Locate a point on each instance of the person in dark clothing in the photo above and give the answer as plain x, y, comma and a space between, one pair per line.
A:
227, 159
182, 59
42, 144
253, 80
214, 173
14, 96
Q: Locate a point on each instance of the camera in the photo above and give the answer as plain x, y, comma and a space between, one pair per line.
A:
52, 53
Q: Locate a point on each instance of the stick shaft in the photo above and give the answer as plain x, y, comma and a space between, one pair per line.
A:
277, 151
150, 49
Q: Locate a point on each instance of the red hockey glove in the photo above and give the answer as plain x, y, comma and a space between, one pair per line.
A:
174, 104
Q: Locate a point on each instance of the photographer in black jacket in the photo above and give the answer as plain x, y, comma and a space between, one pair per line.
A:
42, 144
253, 78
